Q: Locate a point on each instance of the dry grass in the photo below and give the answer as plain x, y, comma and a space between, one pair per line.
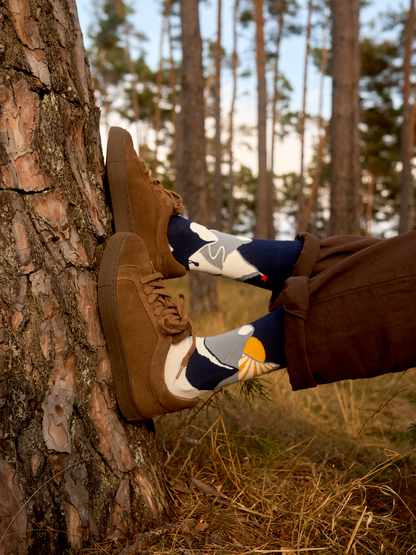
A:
268, 478
319, 471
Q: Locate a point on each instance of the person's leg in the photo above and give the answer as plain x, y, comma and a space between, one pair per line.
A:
247, 352
157, 363
351, 309
263, 263
142, 206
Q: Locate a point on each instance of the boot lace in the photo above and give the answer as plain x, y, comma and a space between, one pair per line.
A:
171, 198
172, 319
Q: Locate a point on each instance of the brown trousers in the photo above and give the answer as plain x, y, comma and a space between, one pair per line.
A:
350, 309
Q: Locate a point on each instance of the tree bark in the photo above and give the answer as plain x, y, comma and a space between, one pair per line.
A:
370, 204
172, 78
121, 11
301, 207
322, 134
217, 146
193, 169
231, 200
270, 179
345, 149
70, 469
262, 205
312, 201
405, 152
159, 93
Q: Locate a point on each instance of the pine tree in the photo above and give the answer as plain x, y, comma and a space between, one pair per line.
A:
345, 148
192, 169
262, 207
406, 178
71, 470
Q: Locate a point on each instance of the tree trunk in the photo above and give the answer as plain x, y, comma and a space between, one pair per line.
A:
217, 147
322, 134
209, 82
345, 148
370, 204
312, 202
270, 179
405, 152
134, 93
231, 200
159, 94
262, 205
172, 78
193, 169
105, 99
121, 12
301, 207
70, 469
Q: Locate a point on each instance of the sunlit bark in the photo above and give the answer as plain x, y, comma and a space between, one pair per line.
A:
262, 206
231, 201
322, 134
270, 178
159, 94
301, 208
192, 171
345, 147
217, 140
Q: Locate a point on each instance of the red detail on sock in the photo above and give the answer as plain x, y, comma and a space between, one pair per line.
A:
263, 278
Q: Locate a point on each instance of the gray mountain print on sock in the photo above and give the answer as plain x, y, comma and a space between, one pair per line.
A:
229, 347
221, 253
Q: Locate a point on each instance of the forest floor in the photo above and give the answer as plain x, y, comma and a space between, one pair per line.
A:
328, 470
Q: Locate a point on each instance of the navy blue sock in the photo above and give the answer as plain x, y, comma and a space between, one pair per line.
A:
263, 263
247, 352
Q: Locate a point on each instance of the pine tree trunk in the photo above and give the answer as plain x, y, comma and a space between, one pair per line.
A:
217, 142
134, 93
172, 79
70, 469
345, 147
270, 176
370, 204
231, 200
262, 205
301, 207
405, 153
193, 169
159, 95
322, 138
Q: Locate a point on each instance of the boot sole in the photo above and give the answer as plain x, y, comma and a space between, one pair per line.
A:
107, 302
117, 181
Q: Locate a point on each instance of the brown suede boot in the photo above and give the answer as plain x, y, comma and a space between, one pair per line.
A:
140, 203
140, 322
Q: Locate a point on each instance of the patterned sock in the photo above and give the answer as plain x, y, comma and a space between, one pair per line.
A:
260, 262
247, 352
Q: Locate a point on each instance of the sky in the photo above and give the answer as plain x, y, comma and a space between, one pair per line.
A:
148, 19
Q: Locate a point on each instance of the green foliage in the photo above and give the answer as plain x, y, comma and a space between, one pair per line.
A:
291, 15
316, 54
107, 53
380, 97
252, 390
245, 192
381, 121
246, 17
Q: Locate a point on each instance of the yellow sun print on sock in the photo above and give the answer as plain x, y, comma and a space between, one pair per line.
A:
252, 362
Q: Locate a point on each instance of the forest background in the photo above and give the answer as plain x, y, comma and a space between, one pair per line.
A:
297, 93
